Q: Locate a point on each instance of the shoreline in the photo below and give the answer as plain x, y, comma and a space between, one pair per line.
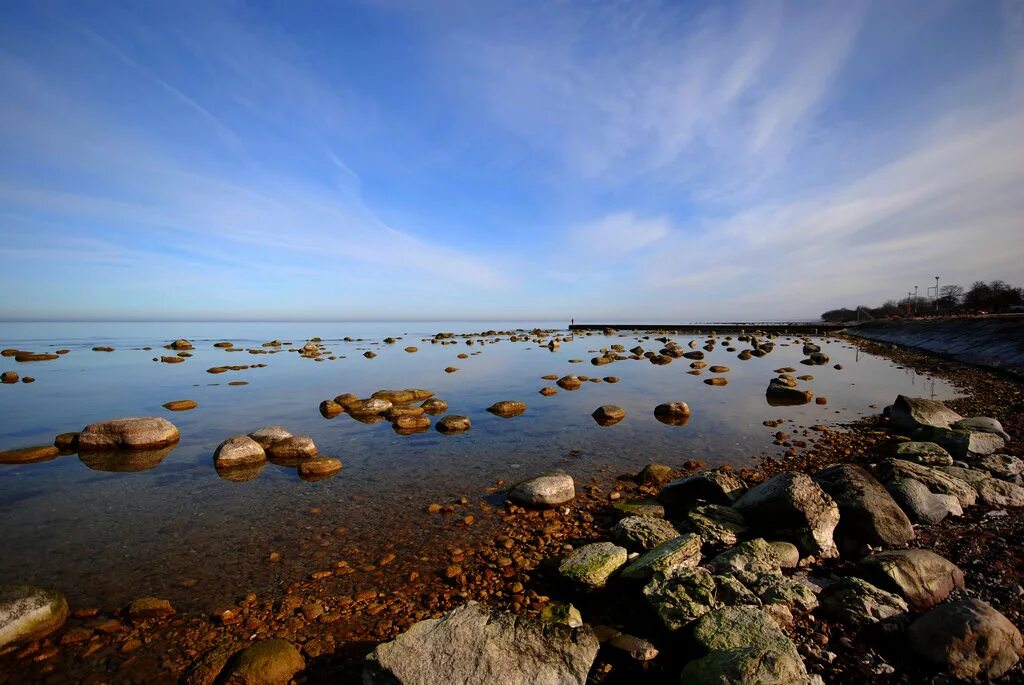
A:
502, 564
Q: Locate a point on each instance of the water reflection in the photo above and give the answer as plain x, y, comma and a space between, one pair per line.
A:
125, 461
241, 474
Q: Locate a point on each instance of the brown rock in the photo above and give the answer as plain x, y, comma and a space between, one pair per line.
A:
181, 405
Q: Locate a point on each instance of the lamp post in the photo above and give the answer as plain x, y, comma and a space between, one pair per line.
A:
936, 294
915, 299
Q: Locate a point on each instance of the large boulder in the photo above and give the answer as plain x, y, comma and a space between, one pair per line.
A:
1001, 465
921, 577
999, 493
667, 558
921, 504
591, 565
471, 645
130, 433
548, 490
794, 507
642, 533
30, 613
868, 515
915, 412
935, 480
269, 662
714, 487
969, 638
743, 645
269, 435
775, 588
955, 441
856, 601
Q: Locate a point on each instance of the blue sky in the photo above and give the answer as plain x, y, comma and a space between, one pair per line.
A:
664, 161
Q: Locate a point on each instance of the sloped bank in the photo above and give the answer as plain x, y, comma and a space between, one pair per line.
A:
996, 341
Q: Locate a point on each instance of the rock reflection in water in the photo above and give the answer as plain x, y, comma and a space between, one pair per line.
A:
125, 461
241, 474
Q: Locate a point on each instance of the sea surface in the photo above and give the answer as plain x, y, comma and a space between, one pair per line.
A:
177, 529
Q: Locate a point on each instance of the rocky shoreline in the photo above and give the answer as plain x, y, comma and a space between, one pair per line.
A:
518, 568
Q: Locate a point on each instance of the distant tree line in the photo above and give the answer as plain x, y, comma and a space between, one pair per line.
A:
993, 297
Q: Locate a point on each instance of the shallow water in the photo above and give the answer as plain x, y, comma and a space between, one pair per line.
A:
106, 537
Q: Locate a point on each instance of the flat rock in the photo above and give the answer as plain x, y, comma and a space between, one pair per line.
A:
240, 450
318, 468
146, 608
868, 515
471, 645
921, 577
29, 613
130, 433
857, 602
713, 487
667, 558
549, 490
29, 455
639, 507
642, 533
927, 453
969, 639
591, 565
180, 405
294, 447
792, 506
507, 408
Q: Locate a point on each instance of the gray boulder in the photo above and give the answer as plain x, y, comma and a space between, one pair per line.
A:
30, 613
868, 515
591, 565
921, 577
775, 588
956, 442
921, 504
1000, 493
935, 480
857, 602
914, 412
682, 597
743, 645
472, 645
793, 506
927, 453
549, 490
667, 558
714, 487
969, 639
718, 525
752, 555
642, 533
981, 424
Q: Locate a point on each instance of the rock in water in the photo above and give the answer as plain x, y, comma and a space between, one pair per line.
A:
471, 645
241, 450
868, 515
608, 415
921, 577
132, 433
319, 468
507, 408
591, 565
269, 435
917, 412
968, 638
270, 662
453, 424
793, 506
744, 645
30, 613
549, 490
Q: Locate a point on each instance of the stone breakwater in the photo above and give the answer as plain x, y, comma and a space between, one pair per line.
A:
996, 341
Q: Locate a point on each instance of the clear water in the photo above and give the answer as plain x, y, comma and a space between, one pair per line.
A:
106, 537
